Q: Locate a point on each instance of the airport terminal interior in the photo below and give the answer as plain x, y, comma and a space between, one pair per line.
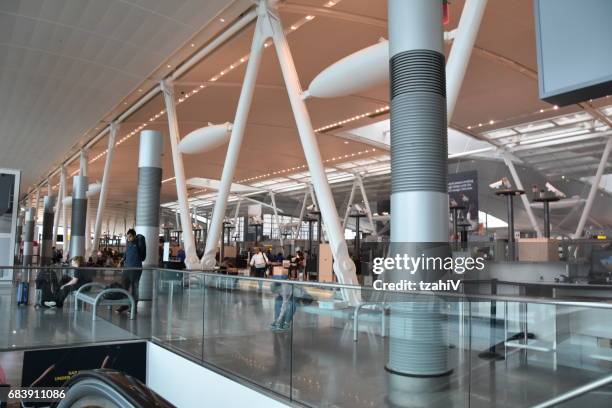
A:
309, 203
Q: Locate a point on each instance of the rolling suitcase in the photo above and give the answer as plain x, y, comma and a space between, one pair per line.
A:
23, 289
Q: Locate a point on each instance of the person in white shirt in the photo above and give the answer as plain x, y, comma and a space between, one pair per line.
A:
259, 262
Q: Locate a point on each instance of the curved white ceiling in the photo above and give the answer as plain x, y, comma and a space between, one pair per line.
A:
64, 64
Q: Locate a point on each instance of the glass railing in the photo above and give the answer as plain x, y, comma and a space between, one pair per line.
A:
32, 325
303, 341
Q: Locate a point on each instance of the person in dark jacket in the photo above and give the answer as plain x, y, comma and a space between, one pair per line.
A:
131, 259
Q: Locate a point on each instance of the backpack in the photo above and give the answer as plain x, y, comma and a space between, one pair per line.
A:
141, 244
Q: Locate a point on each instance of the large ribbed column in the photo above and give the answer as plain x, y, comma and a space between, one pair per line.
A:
418, 347
147, 203
28, 236
79, 212
46, 246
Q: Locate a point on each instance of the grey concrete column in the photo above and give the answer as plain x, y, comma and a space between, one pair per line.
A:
77, 220
147, 203
46, 246
418, 345
28, 236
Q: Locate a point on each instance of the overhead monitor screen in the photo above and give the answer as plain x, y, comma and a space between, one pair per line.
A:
574, 48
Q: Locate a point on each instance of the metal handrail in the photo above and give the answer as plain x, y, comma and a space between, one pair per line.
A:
462, 296
576, 392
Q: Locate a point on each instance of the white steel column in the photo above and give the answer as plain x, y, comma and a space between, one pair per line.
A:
278, 226
191, 256
313, 198
460, 52
350, 203
235, 214
64, 221
114, 127
235, 143
36, 206
88, 226
524, 199
296, 232
366, 203
594, 187
344, 267
58, 209
84, 170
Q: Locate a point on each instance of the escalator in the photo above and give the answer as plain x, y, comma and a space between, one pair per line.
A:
104, 388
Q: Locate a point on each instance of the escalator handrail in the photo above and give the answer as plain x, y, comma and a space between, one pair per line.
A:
130, 388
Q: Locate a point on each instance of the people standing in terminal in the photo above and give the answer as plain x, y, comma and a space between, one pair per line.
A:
259, 262
68, 284
135, 253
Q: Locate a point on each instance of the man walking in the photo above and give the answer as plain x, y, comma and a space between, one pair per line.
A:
132, 258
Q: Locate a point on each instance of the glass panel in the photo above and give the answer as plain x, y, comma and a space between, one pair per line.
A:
239, 331
34, 325
177, 312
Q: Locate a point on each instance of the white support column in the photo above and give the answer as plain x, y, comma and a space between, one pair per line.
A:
64, 222
88, 212
524, 199
276, 220
594, 187
237, 212
460, 52
37, 208
313, 198
58, 209
350, 203
114, 127
84, 171
418, 360
366, 202
235, 143
296, 231
191, 257
83, 162
344, 268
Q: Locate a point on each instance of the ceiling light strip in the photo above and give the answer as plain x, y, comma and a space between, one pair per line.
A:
181, 70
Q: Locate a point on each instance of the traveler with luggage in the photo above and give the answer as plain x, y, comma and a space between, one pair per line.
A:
135, 254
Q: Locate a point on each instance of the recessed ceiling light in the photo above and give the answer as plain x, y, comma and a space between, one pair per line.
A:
346, 142
169, 66
222, 20
192, 44
309, 17
140, 90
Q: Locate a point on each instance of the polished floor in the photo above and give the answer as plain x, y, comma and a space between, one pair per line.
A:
315, 363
